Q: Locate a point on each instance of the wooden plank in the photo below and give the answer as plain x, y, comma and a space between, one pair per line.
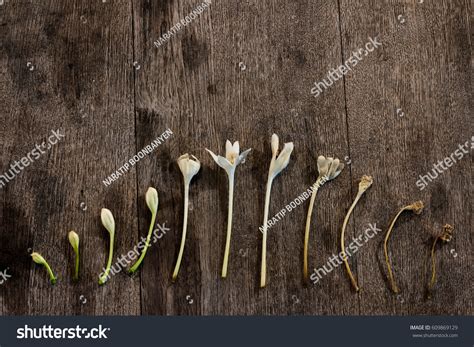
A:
81, 83
240, 71
423, 70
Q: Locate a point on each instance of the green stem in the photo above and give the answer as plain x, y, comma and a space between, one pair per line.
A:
76, 270
105, 275
147, 244
183, 236
52, 278
229, 226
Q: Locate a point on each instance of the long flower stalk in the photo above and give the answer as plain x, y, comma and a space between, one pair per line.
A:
189, 166
277, 164
365, 183
445, 236
229, 164
417, 208
328, 169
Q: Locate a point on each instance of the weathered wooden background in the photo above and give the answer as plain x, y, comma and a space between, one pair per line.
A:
241, 71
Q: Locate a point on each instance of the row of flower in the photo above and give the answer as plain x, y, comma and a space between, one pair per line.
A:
328, 169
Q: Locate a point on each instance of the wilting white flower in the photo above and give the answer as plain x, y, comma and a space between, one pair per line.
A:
277, 164
229, 164
232, 157
328, 169
189, 166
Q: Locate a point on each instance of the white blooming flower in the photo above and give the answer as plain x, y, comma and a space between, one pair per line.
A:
229, 164
232, 157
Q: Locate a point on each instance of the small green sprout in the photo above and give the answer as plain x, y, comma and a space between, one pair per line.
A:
38, 259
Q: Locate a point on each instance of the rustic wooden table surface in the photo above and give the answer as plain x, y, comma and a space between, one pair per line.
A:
242, 70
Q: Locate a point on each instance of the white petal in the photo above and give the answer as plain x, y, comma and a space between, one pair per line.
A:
189, 167
214, 156
283, 159
275, 144
243, 156
182, 163
323, 165
221, 161
194, 165
232, 151
228, 148
333, 168
225, 164
151, 198
73, 239
108, 220
236, 147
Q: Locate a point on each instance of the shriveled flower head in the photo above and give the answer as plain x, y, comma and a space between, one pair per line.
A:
416, 207
365, 183
329, 168
280, 162
447, 233
232, 156
189, 166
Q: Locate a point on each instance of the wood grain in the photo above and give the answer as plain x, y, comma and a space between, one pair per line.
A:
239, 71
